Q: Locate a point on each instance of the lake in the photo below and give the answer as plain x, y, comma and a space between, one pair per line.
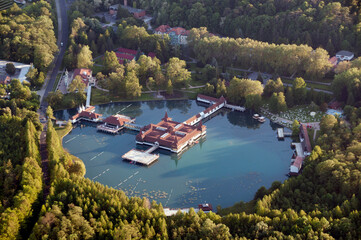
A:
237, 156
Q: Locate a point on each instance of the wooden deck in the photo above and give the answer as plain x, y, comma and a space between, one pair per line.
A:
108, 129
140, 157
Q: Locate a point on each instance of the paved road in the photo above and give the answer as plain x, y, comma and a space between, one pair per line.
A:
63, 33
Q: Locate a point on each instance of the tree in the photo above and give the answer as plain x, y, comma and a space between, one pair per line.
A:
77, 85
110, 62
169, 87
39, 80
49, 113
327, 123
253, 101
176, 72
32, 75
239, 89
289, 97
132, 87
209, 89
221, 88
84, 58
10, 68
299, 91
295, 128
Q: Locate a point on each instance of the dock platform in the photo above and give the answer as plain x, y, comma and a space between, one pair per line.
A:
281, 134
106, 129
137, 156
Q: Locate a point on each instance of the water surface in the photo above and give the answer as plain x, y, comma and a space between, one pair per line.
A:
237, 156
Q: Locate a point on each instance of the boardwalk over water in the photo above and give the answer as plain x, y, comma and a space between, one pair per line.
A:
142, 157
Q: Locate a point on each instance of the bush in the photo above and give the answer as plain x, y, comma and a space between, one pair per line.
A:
10, 68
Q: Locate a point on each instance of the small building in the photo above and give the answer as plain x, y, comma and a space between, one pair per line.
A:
114, 123
129, 54
85, 74
162, 29
137, 13
344, 55
86, 114
296, 165
305, 140
177, 35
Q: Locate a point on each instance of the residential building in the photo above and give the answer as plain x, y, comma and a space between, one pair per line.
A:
177, 35
86, 76
344, 55
137, 13
296, 165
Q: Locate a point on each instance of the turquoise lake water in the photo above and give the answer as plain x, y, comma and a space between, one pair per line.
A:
237, 156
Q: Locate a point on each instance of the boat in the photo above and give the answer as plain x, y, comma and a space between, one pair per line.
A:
255, 116
261, 119
205, 207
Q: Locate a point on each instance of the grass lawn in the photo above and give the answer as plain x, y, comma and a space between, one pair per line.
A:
302, 113
63, 131
56, 82
99, 61
96, 69
101, 97
310, 85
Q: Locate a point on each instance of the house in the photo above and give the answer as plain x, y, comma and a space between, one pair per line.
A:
183, 37
344, 55
137, 13
162, 29
85, 74
177, 35
296, 166
128, 54
305, 140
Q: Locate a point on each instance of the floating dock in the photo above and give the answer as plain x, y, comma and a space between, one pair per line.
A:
141, 157
281, 134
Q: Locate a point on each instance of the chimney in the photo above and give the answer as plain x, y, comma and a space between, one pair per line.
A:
125, 3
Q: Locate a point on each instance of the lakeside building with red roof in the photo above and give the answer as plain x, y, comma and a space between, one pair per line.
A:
170, 135
296, 165
114, 123
87, 114
305, 140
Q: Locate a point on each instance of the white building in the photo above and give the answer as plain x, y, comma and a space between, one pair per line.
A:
344, 55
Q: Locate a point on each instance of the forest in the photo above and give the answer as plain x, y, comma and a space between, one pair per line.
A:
332, 24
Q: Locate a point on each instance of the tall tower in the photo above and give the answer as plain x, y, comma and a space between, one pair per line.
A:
125, 3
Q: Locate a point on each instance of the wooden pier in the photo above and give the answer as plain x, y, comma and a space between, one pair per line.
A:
142, 157
132, 126
281, 134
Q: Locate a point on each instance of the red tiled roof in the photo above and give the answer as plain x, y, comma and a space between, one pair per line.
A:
162, 28
84, 73
306, 137
5, 79
117, 120
298, 162
126, 50
167, 135
333, 60
124, 56
177, 30
186, 33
